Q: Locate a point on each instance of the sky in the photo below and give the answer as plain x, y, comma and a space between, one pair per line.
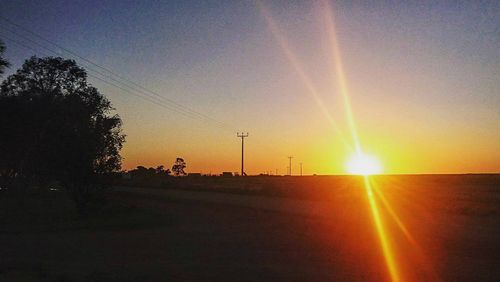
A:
422, 78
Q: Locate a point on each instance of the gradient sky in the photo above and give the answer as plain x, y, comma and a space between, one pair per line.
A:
423, 77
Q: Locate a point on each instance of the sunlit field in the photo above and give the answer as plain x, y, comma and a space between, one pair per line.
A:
437, 228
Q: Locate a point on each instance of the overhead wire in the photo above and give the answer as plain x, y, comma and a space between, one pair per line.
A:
134, 87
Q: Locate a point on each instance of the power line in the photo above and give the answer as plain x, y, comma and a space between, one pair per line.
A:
103, 68
90, 71
178, 109
168, 103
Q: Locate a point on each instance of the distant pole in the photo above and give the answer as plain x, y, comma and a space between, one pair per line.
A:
242, 136
300, 169
290, 165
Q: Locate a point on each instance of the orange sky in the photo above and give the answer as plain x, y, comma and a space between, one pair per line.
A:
422, 80
405, 104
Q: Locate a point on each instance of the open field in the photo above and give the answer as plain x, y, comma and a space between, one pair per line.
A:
267, 228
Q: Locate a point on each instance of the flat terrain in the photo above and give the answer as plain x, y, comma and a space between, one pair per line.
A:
438, 228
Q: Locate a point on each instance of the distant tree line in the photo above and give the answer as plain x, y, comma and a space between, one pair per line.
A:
153, 176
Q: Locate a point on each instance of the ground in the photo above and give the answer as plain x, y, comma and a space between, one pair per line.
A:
438, 228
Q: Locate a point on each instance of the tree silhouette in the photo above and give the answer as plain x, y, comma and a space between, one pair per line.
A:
178, 167
160, 170
55, 126
3, 63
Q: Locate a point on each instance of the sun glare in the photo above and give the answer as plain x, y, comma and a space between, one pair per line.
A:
362, 164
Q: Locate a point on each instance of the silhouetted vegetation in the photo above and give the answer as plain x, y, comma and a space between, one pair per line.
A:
142, 176
56, 128
179, 166
143, 172
3, 63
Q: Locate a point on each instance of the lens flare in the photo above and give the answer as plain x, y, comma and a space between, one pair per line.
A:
382, 234
299, 69
360, 163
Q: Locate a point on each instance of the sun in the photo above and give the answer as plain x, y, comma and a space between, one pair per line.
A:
362, 164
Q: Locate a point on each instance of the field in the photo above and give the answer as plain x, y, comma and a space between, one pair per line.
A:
321, 228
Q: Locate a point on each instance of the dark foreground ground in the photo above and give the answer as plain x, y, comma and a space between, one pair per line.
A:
438, 228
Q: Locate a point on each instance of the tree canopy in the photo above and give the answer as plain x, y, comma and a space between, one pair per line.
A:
55, 126
3, 63
178, 167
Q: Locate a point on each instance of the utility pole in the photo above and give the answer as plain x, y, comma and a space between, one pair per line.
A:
300, 169
290, 165
242, 136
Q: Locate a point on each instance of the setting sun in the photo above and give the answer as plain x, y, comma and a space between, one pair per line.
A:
363, 165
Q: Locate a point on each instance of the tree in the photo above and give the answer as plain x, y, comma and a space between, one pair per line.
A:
178, 167
3, 63
160, 170
55, 126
